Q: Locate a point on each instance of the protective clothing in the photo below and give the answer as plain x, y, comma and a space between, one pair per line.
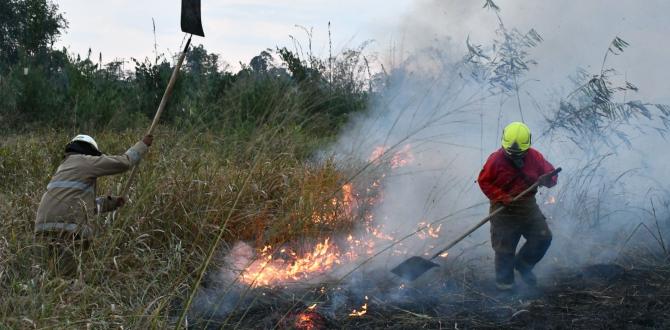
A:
69, 204
87, 139
60, 252
516, 139
501, 180
524, 219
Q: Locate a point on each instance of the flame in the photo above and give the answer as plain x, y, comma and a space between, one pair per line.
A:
270, 268
400, 158
267, 271
337, 209
308, 321
444, 255
348, 195
378, 233
403, 157
551, 200
363, 311
377, 153
427, 230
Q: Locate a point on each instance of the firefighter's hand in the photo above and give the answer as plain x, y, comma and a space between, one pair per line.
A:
545, 180
148, 140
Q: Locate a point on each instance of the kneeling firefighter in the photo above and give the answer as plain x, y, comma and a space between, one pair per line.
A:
508, 172
66, 219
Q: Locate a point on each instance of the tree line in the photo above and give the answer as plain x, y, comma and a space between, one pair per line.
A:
41, 86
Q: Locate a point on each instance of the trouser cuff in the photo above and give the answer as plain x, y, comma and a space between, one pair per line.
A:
504, 263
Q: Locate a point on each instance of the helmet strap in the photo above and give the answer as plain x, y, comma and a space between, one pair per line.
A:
517, 158
81, 147
517, 161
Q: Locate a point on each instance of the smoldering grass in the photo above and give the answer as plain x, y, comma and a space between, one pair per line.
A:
228, 183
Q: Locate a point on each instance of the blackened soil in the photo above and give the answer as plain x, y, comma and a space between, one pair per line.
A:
603, 296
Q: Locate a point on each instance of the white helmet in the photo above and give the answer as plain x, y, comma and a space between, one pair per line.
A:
87, 139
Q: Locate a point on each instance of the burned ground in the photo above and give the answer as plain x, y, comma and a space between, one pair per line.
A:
624, 295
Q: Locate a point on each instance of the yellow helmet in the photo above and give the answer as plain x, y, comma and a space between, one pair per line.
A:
516, 138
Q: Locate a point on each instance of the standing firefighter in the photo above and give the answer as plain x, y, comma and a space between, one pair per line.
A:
508, 172
66, 216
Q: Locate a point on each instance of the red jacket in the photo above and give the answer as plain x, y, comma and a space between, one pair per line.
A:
501, 181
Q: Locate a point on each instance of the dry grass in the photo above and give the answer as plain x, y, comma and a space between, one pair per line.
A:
190, 189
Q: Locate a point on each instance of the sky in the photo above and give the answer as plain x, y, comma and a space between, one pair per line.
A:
576, 33
235, 29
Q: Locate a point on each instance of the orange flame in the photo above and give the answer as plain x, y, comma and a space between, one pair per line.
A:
308, 321
339, 208
400, 158
266, 271
363, 311
377, 153
269, 270
403, 157
427, 230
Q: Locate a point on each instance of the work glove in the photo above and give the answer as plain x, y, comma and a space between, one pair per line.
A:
545, 180
148, 140
120, 201
109, 203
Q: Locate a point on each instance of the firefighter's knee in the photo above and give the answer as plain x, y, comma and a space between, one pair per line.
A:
542, 245
504, 238
532, 252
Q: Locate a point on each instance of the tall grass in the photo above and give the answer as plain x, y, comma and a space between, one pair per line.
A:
190, 188
232, 161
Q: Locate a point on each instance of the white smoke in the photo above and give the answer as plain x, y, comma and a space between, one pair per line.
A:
452, 124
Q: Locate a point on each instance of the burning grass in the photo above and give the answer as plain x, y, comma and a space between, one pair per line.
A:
292, 229
295, 217
191, 189
597, 296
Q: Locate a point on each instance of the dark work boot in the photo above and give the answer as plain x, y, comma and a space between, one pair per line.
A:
504, 263
526, 272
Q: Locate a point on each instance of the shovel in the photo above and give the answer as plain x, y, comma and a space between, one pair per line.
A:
414, 267
191, 23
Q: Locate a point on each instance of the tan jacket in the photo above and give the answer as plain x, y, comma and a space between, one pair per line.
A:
69, 204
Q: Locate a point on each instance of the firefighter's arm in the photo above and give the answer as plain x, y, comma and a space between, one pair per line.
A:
495, 194
492, 191
109, 165
108, 203
547, 179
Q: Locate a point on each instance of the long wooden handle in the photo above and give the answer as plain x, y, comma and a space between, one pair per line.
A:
491, 215
159, 112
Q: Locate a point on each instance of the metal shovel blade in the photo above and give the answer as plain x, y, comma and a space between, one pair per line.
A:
190, 17
413, 267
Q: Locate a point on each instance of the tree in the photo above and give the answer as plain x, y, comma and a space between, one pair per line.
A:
28, 27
